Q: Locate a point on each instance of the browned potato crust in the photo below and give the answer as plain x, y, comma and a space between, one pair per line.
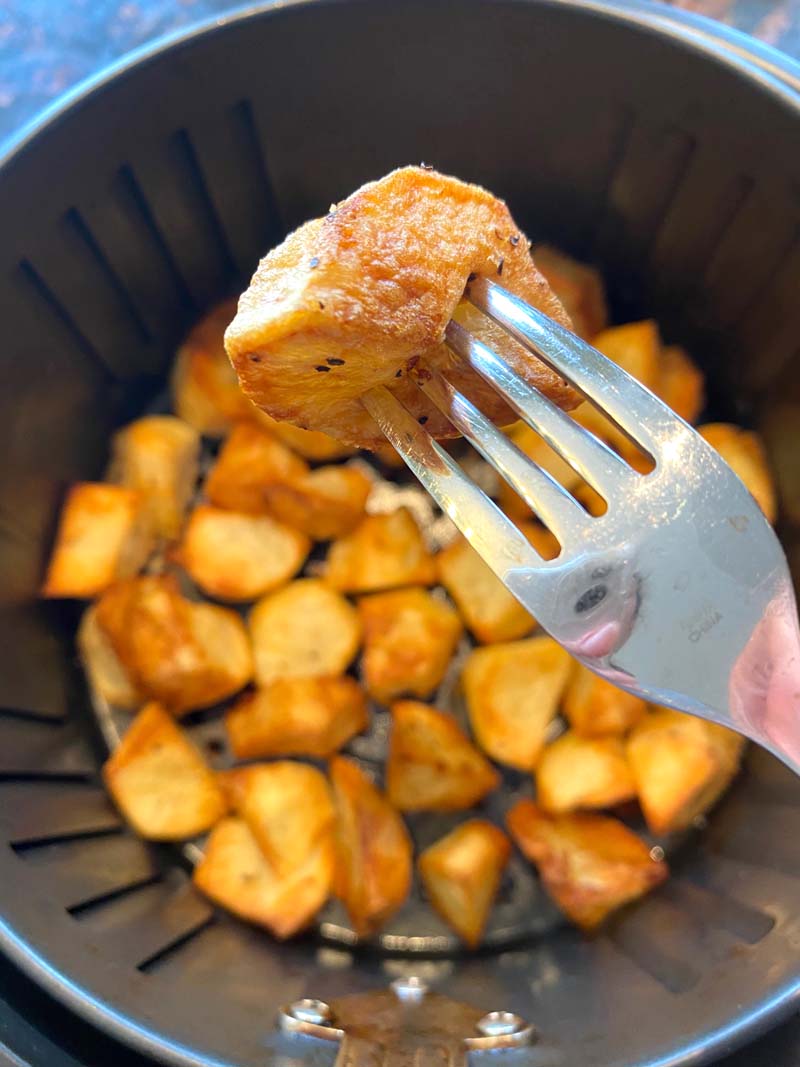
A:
383, 551
310, 444
583, 772
579, 287
248, 463
324, 503
595, 707
744, 453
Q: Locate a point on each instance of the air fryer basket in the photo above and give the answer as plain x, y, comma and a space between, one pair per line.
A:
669, 160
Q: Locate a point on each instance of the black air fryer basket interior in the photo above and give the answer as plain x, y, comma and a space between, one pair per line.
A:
672, 165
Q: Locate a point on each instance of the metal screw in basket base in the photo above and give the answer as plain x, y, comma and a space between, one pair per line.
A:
501, 1029
410, 990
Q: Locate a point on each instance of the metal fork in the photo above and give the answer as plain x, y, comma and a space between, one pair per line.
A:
680, 592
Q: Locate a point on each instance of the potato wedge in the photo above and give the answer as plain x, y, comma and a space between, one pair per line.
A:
312, 445
184, 654
160, 782
325, 503
432, 764
409, 639
384, 551
590, 864
583, 772
744, 453
374, 860
306, 630
249, 461
310, 717
103, 536
237, 557
512, 692
487, 607
236, 874
681, 766
158, 456
681, 383
107, 676
595, 707
579, 287
461, 873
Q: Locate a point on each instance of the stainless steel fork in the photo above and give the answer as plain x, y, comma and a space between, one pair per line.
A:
680, 592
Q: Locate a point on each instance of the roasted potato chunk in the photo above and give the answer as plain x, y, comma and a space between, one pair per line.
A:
249, 462
681, 383
158, 455
583, 772
409, 639
237, 557
374, 860
384, 551
103, 535
590, 864
312, 445
160, 782
681, 766
487, 607
512, 694
310, 717
184, 654
107, 676
236, 874
595, 707
355, 299
306, 630
578, 286
461, 873
432, 764
744, 453
325, 503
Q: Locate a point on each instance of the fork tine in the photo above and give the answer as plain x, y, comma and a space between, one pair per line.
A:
494, 537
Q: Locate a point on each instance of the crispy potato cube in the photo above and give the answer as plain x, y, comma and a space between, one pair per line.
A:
248, 462
382, 552
313, 445
681, 766
744, 453
234, 556
590, 864
409, 639
158, 455
583, 772
578, 286
160, 782
461, 873
512, 694
107, 676
374, 860
310, 717
487, 607
681, 383
387, 454
236, 874
432, 764
306, 630
184, 654
595, 707
325, 503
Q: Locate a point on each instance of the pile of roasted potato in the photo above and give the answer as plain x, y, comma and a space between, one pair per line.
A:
269, 586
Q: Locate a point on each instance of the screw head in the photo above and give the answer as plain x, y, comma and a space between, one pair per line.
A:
311, 1011
500, 1024
410, 990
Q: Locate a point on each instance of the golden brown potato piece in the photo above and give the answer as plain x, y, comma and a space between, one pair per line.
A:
382, 552
236, 874
578, 286
325, 503
681, 383
432, 764
158, 455
306, 630
249, 462
595, 707
107, 676
461, 873
681, 766
512, 694
744, 453
160, 782
583, 772
409, 638
103, 535
589, 864
310, 717
374, 863
529, 442
186, 655
237, 557
354, 300
312, 445
487, 607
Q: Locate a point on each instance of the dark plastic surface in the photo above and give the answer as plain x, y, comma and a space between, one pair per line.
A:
675, 167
